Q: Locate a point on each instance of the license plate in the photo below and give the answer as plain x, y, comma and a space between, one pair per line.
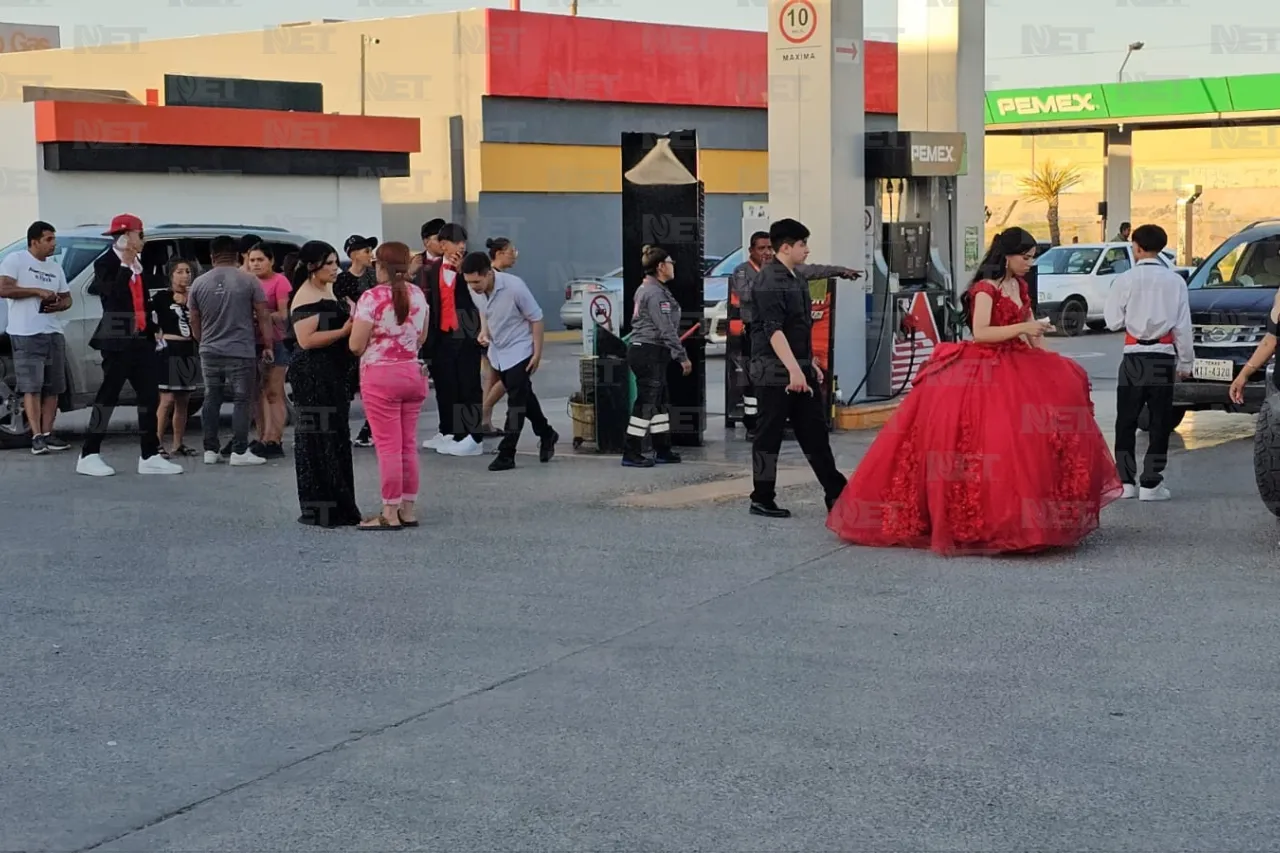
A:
1214, 369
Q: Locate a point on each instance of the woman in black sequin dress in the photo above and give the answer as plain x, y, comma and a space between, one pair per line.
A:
318, 376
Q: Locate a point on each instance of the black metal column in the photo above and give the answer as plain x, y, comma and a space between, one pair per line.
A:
663, 205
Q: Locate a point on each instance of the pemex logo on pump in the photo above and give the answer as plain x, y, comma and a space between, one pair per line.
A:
1067, 103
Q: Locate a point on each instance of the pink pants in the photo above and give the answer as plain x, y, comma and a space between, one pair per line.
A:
393, 395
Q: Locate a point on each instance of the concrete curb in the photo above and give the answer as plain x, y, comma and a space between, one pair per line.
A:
562, 337
700, 494
868, 416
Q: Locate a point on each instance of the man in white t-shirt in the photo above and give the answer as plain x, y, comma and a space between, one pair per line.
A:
35, 289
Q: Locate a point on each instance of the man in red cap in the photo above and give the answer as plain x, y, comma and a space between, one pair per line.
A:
126, 338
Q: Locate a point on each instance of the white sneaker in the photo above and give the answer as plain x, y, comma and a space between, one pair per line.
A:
239, 460
1130, 491
94, 465
211, 457
436, 442
157, 465
467, 447
1159, 493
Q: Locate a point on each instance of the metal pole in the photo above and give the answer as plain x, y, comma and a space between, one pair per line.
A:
573, 8
364, 46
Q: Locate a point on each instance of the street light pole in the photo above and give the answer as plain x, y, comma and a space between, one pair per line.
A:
1137, 45
365, 41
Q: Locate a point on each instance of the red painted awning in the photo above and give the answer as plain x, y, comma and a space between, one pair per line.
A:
560, 57
134, 124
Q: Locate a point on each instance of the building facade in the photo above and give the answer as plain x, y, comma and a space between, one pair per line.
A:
521, 116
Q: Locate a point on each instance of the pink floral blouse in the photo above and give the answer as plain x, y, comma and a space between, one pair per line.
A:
390, 342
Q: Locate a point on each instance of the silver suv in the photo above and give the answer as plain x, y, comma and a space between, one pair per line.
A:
78, 248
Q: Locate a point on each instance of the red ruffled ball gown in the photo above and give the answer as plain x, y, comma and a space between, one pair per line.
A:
994, 450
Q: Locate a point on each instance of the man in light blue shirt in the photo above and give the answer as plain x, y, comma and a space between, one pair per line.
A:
511, 327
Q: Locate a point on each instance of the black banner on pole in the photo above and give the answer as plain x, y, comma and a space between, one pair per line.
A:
663, 205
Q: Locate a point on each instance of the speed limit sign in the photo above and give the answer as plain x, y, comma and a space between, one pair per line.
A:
798, 21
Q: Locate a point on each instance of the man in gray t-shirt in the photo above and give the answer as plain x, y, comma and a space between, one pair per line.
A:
231, 322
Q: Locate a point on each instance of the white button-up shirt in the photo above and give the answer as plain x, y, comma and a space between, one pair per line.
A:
1148, 302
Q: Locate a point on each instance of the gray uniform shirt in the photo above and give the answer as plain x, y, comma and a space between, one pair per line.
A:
744, 279
656, 319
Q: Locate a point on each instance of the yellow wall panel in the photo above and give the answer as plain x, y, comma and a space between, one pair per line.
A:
730, 172
526, 168
529, 168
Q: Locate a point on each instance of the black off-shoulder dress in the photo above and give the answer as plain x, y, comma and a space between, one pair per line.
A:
322, 434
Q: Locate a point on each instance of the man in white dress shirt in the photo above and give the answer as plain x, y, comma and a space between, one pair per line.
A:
1149, 302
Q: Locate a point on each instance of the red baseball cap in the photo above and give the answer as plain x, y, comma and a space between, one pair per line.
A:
122, 223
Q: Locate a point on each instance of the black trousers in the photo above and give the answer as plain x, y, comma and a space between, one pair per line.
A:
455, 370
136, 365
1146, 379
807, 419
521, 403
652, 412
750, 402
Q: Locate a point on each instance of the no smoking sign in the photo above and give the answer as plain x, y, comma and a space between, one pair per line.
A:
798, 21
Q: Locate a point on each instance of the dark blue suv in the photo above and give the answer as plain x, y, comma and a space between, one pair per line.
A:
1231, 295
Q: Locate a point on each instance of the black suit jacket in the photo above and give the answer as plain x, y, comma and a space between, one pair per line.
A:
118, 330
468, 315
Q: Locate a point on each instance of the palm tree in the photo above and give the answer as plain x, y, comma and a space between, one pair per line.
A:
1046, 183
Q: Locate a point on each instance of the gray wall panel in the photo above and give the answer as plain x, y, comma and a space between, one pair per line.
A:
566, 235
581, 123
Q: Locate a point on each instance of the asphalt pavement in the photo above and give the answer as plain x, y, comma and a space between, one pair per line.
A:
576, 656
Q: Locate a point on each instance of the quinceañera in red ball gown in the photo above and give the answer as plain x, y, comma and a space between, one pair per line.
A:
994, 450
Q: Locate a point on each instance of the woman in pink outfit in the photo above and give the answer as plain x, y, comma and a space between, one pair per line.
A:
271, 413
390, 326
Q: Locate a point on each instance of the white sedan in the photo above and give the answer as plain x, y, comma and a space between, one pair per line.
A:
1073, 280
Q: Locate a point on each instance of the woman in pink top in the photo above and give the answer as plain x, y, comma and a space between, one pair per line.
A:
390, 326
271, 412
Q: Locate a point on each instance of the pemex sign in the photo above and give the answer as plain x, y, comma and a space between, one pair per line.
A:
1058, 104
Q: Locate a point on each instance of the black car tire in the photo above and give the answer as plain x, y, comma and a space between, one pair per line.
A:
13, 428
1266, 456
1144, 417
1073, 317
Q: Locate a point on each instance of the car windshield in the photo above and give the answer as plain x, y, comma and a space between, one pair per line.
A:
1067, 260
1241, 262
727, 265
74, 253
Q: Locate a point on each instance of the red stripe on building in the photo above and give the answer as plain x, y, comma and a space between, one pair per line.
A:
559, 57
132, 124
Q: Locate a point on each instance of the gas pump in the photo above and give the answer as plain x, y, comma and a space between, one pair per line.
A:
910, 207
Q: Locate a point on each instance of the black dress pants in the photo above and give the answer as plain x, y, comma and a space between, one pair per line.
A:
804, 412
522, 403
455, 370
651, 413
1145, 379
137, 365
